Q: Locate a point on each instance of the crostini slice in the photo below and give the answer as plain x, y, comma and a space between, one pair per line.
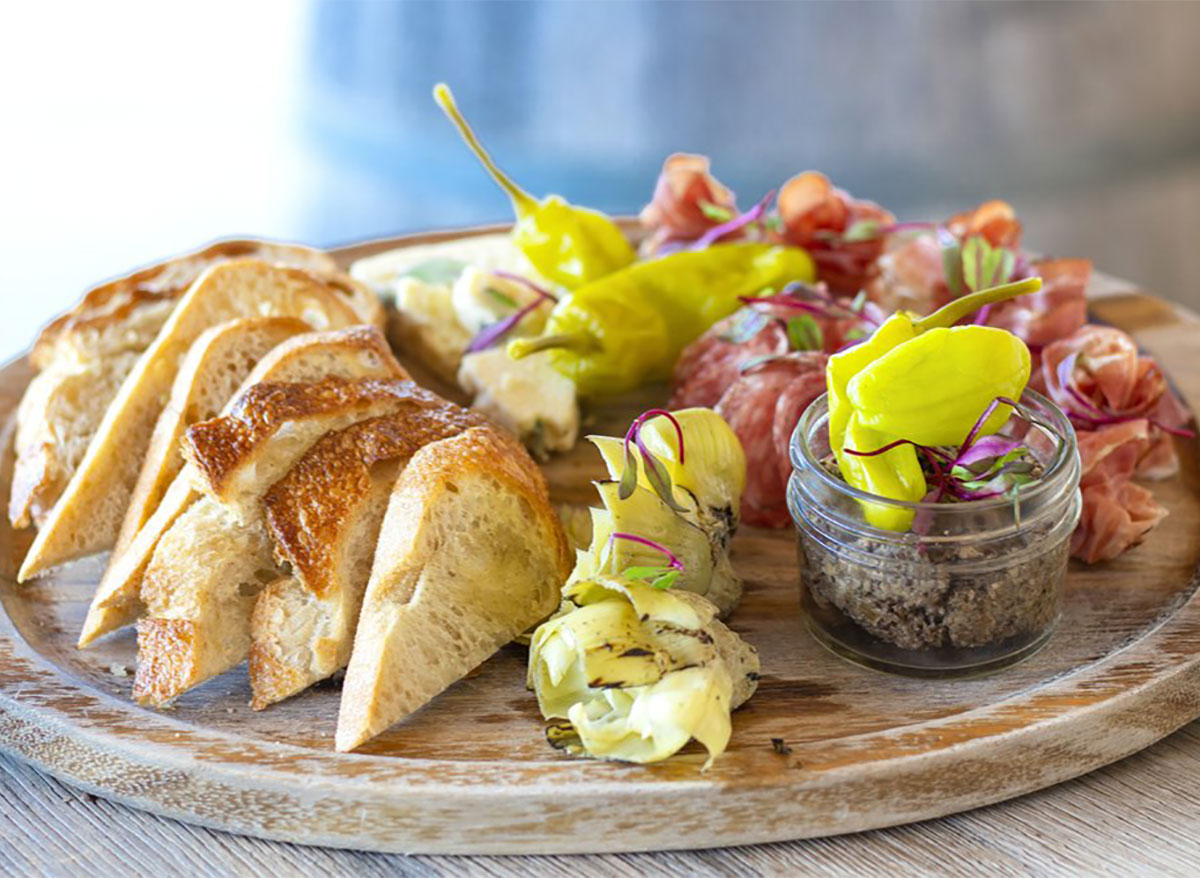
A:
215, 366
470, 555
83, 356
358, 353
87, 517
324, 518
267, 430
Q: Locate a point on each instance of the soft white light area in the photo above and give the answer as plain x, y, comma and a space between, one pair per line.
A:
132, 130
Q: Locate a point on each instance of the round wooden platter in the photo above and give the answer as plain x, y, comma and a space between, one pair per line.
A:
825, 747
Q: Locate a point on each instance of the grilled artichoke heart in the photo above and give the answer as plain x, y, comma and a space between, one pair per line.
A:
708, 486
704, 554
637, 672
711, 480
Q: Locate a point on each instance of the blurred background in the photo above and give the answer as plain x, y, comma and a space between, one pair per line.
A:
133, 130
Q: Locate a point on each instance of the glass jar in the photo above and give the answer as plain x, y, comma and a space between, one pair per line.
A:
979, 588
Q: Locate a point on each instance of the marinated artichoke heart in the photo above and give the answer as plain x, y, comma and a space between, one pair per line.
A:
707, 486
712, 478
703, 553
637, 672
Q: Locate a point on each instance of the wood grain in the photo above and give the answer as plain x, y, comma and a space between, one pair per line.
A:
1138, 816
471, 772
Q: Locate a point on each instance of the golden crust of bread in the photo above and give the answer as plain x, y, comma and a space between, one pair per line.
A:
219, 446
86, 354
324, 518
360, 351
307, 509
87, 517
164, 669
113, 302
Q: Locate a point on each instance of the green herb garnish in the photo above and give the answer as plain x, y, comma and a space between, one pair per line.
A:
436, 271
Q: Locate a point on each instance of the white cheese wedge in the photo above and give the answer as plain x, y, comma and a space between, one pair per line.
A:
428, 310
528, 396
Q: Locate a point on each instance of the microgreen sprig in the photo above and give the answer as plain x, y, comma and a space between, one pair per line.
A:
803, 331
728, 227
656, 471
663, 576
489, 335
983, 466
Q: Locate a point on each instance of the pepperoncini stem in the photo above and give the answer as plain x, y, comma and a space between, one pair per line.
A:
954, 311
523, 202
519, 348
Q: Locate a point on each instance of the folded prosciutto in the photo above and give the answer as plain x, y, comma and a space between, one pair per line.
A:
1098, 377
911, 274
1056, 310
817, 216
688, 201
1117, 513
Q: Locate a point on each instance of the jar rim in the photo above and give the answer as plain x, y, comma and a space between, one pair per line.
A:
1065, 452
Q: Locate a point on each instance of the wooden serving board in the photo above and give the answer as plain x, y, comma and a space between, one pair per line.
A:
472, 772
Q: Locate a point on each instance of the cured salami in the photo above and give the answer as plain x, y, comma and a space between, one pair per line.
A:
762, 407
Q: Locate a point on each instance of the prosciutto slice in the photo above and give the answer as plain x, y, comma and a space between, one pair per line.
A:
1058, 309
911, 274
1117, 513
1116, 516
1098, 377
687, 202
816, 216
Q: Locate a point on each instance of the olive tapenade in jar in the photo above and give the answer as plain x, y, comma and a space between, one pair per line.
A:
972, 586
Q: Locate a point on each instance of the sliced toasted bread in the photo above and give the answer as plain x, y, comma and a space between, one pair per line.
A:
124, 313
350, 354
231, 459
88, 516
215, 366
86, 353
285, 425
470, 555
324, 519
199, 588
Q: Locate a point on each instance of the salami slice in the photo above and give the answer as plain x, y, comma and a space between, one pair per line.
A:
762, 407
710, 365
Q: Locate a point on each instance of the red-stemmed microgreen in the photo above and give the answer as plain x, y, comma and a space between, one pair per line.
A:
803, 329
656, 472
491, 334
980, 468
662, 576
717, 232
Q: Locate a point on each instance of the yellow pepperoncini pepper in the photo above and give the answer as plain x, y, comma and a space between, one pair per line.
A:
923, 380
568, 245
630, 327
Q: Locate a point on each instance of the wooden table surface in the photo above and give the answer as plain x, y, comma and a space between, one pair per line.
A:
1138, 816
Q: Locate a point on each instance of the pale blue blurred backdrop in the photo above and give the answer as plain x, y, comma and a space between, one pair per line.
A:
137, 129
